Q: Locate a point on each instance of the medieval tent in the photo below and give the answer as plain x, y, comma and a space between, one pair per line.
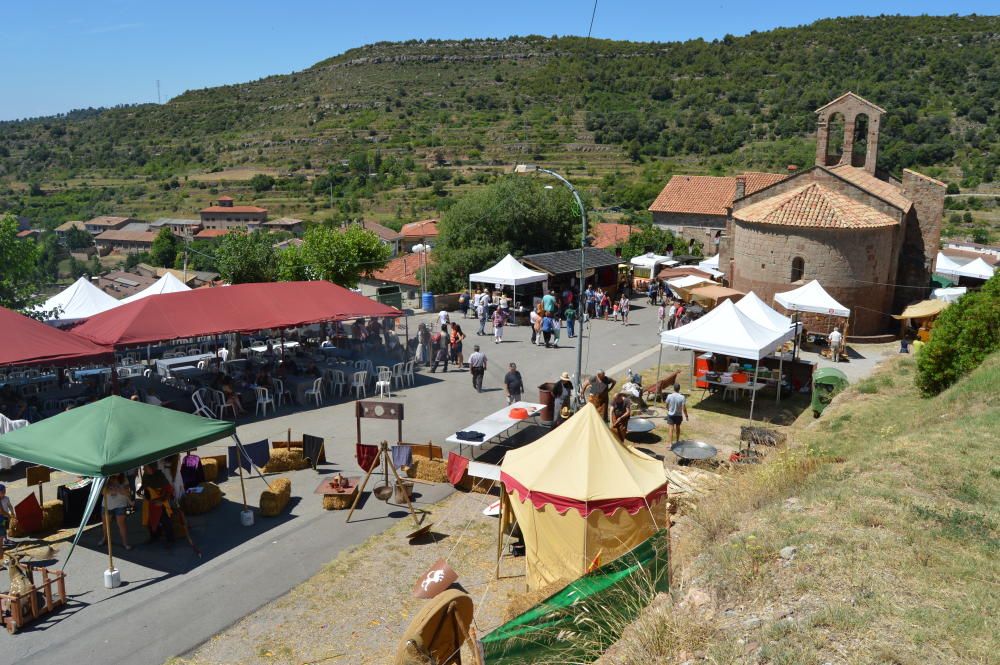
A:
581, 498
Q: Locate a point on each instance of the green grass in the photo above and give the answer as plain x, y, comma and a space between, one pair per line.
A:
898, 544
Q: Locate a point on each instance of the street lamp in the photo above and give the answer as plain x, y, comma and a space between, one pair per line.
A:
580, 304
422, 249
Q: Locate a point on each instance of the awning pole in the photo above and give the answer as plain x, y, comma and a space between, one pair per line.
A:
753, 395
781, 360
659, 359
239, 466
107, 535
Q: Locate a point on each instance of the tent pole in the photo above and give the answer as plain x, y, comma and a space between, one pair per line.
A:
781, 360
659, 359
239, 467
107, 535
753, 395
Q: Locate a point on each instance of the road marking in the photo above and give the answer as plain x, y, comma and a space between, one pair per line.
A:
622, 366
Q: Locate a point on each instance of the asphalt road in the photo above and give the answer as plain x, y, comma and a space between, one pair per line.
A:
172, 601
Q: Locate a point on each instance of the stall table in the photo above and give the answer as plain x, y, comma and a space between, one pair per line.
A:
496, 425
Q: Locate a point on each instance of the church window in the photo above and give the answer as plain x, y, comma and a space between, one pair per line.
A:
798, 268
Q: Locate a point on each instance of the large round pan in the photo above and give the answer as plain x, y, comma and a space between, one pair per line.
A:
693, 450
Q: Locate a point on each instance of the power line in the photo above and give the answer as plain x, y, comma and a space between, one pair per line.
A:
592, 15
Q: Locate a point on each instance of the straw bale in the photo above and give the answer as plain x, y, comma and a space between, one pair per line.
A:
286, 459
338, 501
431, 470
52, 515
519, 603
202, 502
211, 468
274, 500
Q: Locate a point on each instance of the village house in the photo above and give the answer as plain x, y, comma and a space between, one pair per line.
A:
225, 216
182, 228
104, 223
417, 233
125, 242
63, 229
289, 224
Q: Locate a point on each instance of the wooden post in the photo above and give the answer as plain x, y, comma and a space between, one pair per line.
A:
107, 535
239, 466
47, 589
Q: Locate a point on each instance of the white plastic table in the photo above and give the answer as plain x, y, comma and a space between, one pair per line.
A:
495, 425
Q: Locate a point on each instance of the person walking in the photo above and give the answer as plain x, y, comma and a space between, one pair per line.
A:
513, 384
535, 320
547, 326
651, 290
443, 321
481, 313
570, 314
671, 313
499, 321
623, 307
456, 339
590, 304
835, 340
439, 351
477, 367
463, 303
556, 329
562, 391
600, 386
677, 412
661, 316
549, 302
619, 417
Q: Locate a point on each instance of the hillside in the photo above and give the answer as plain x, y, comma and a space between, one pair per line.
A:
873, 540
593, 107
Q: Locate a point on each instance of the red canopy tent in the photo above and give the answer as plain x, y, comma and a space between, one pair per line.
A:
24, 341
230, 309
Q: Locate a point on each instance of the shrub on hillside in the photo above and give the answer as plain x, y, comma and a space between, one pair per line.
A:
964, 335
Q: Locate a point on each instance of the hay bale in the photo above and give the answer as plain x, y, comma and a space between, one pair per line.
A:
202, 502
274, 500
431, 470
286, 459
519, 603
52, 515
211, 468
338, 501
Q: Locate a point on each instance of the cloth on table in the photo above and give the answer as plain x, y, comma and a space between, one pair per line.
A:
457, 466
312, 447
470, 435
402, 456
367, 455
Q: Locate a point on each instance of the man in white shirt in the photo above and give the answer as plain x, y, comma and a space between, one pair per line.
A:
677, 411
223, 354
443, 321
670, 315
477, 367
835, 340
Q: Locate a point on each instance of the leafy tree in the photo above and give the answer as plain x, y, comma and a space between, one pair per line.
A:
246, 257
964, 334
77, 238
952, 188
164, 249
647, 238
292, 265
515, 215
18, 267
341, 257
262, 182
135, 258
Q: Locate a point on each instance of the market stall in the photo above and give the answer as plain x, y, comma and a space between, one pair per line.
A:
646, 267
812, 298
507, 272
78, 301
712, 295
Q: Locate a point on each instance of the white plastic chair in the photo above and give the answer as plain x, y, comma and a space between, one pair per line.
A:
359, 383
398, 372
384, 384
201, 408
279, 391
316, 392
263, 399
337, 381
221, 403
408, 372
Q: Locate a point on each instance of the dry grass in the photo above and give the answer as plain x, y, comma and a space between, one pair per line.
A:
891, 503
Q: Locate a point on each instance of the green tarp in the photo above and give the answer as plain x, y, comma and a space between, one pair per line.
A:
110, 436
578, 623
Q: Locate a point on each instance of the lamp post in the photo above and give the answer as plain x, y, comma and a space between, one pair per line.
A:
580, 304
422, 249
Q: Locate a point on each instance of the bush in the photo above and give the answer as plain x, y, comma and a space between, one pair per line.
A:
964, 335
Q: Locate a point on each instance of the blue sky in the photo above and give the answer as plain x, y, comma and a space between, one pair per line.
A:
59, 55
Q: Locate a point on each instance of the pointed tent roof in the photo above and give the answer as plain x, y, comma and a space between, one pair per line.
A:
922, 309
581, 465
945, 265
509, 272
80, 300
110, 436
24, 341
728, 331
711, 262
811, 297
166, 284
760, 312
978, 269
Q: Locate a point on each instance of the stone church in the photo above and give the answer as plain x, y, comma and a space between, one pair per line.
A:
869, 239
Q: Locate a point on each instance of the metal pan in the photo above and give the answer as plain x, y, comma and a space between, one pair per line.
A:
693, 450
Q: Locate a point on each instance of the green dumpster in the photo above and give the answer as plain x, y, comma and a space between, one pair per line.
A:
827, 383
390, 295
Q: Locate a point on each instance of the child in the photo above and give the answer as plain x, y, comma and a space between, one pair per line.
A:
614, 312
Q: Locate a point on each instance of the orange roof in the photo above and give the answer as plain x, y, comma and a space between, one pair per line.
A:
225, 198
608, 234
814, 205
425, 229
708, 195
887, 191
106, 220
25, 233
233, 209
401, 270
211, 233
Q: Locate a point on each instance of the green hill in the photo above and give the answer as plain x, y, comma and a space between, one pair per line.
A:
594, 107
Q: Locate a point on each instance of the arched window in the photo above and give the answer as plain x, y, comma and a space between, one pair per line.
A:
798, 268
835, 139
860, 144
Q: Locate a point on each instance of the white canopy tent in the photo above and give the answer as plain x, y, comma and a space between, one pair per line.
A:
945, 265
166, 284
950, 294
650, 261
508, 272
679, 284
811, 297
978, 269
760, 312
729, 331
80, 300
711, 263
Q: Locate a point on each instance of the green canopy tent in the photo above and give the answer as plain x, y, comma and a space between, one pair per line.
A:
828, 382
112, 436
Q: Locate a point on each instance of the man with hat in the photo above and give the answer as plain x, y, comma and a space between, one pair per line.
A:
563, 393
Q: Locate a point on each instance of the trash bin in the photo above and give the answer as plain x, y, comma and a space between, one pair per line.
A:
427, 301
547, 399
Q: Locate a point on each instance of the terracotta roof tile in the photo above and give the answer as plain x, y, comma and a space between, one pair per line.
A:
887, 191
107, 220
211, 233
814, 205
127, 236
608, 235
424, 229
72, 224
233, 209
708, 195
401, 270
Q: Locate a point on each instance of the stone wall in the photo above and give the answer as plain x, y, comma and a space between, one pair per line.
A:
922, 238
855, 266
700, 228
